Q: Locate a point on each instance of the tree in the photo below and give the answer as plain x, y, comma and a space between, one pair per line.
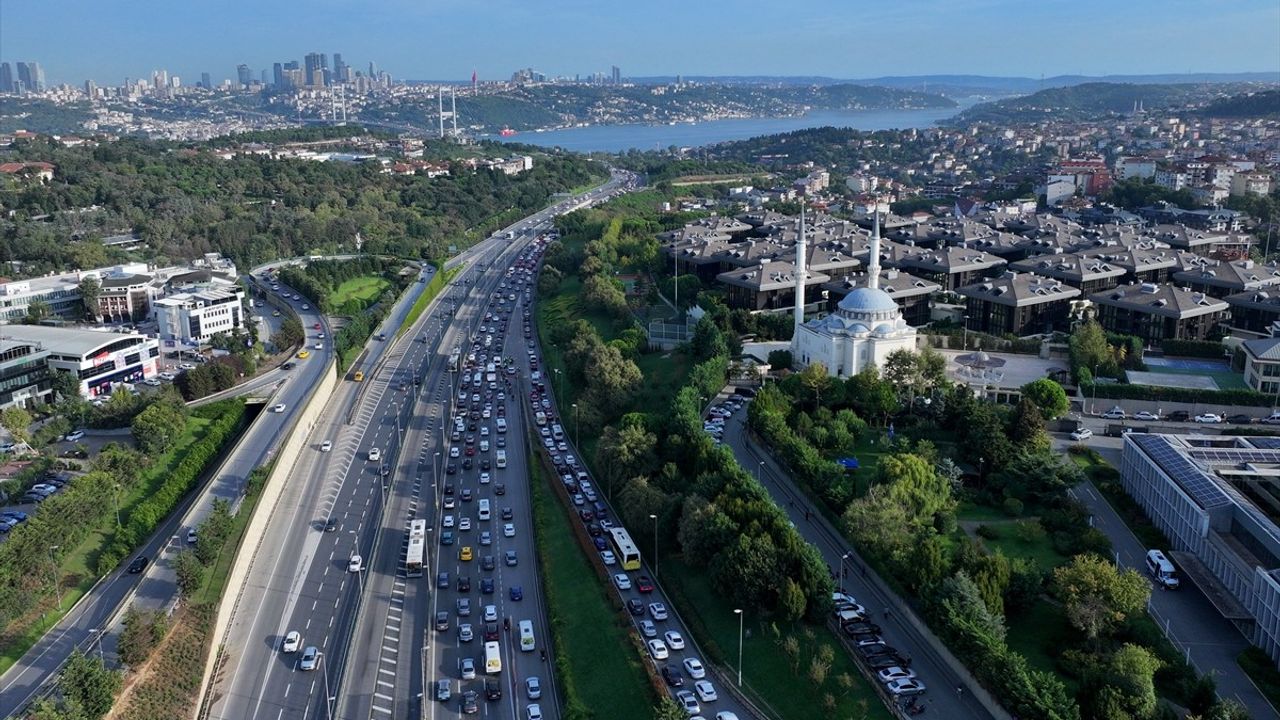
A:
871, 395
189, 571
37, 312
157, 427
1098, 597
90, 289
1130, 688
626, 451
1088, 347
932, 367
18, 422
289, 334
89, 684
667, 709
815, 379
136, 639
780, 359
1048, 396
928, 561
65, 385
707, 341
791, 601
912, 482
1026, 426
900, 369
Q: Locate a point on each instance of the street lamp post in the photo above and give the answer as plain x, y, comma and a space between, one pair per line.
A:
575, 427
965, 320
654, 518
57, 586
115, 497
1093, 404
758, 470
328, 699
842, 559
739, 613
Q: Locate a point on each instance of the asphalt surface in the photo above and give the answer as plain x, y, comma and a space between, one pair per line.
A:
157, 586
303, 583
941, 697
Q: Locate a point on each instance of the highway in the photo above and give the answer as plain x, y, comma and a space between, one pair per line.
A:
157, 587
303, 582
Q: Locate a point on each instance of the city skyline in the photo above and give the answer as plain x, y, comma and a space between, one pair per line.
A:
572, 37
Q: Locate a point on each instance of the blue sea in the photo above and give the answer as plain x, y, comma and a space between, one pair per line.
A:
619, 138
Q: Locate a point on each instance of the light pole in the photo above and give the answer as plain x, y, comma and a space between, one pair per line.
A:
654, 518
57, 586
1093, 404
556, 389
842, 559
328, 700
966, 333
739, 613
115, 497
575, 427
758, 470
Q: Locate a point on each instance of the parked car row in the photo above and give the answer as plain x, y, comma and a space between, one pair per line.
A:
892, 666
713, 423
1119, 413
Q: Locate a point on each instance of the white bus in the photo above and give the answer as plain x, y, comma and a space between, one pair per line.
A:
500, 458
416, 550
526, 636
492, 658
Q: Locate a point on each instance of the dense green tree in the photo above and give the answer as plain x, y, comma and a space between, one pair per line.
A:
912, 482
90, 289
1089, 348
668, 709
1027, 427
626, 451
37, 311
289, 334
88, 683
156, 428
707, 341
189, 571
18, 422
1048, 396
1097, 596
1129, 688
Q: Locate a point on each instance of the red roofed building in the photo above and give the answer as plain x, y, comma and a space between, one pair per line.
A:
41, 170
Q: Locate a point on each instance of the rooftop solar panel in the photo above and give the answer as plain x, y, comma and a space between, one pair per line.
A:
1195, 481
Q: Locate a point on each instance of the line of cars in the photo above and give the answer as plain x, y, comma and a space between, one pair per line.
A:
891, 666
718, 414
1119, 413
475, 457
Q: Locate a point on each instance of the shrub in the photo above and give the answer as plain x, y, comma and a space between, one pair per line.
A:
988, 532
1011, 507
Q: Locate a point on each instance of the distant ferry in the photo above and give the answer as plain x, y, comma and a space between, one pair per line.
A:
507, 132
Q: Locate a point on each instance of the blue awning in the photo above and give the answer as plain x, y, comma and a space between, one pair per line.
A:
849, 463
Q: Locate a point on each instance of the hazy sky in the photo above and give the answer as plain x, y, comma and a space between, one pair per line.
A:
446, 39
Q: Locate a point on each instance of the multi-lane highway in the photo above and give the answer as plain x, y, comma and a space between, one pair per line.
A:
339, 503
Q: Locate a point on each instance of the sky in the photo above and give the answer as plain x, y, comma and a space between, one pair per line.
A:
75, 40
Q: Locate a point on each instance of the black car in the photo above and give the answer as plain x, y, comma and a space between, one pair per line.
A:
880, 662
1178, 416
287, 366
448, 488
138, 565
442, 581
487, 562
1240, 419
859, 630
492, 690
332, 525
635, 607
385, 470
672, 676
500, 489
451, 469
466, 463
507, 514
486, 586
470, 702
464, 583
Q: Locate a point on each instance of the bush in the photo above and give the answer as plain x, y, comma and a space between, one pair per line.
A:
1012, 507
1194, 348
1123, 391
988, 532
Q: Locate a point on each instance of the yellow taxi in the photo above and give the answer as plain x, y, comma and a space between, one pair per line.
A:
304, 354
465, 554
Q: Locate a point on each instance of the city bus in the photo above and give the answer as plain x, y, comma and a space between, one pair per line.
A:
417, 547
492, 658
628, 553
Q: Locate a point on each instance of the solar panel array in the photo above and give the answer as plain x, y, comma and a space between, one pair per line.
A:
1237, 456
1266, 443
1195, 481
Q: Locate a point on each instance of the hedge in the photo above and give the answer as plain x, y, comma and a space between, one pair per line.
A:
1123, 391
1194, 348
151, 512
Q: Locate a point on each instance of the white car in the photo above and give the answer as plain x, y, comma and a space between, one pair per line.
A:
1209, 418
533, 687
658, 611
687, 701
1146, 415
1115, 413
464, 523
355, 564
74, 435
706, 691
693, 666
622, 581
491, 613
508, 530
905, 686
448, 521
326, 446
608, 558
151, 382
319, 346
674, 640
890, 674
279, 408
658, 650
375, 454
310, 658
292, 642
484, 478
726, 715
533, 712
1081, 434
191, 536
648, 629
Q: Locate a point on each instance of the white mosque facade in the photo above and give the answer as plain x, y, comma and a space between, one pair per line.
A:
864, 330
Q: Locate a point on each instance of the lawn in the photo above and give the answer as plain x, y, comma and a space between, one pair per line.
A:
1263, 673
356, 294
1015, 542
439, 280
592, 640
768, 673
1039, 635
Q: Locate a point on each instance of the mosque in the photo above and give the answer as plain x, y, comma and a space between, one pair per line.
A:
865, 328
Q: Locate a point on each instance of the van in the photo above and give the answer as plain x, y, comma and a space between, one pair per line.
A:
484, 513
557, 432
1162, 570
500, 458
527, 643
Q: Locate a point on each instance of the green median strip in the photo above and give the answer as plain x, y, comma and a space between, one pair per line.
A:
437, 283
598, 668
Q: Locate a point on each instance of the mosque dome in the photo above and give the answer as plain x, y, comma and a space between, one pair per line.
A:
869, 301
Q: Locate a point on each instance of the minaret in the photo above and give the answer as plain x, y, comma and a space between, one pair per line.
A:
873, 262
800, 250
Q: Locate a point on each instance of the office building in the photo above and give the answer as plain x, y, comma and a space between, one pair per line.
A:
205, 81
100, 359
126, 297
615, 75
244, 75
277, 75
190, 319
24, 374
6, 77
1214, 498
31, 76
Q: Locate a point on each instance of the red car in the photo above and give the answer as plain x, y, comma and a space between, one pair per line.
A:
316, 326
644, 584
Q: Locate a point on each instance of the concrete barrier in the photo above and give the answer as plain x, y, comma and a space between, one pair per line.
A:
285, 457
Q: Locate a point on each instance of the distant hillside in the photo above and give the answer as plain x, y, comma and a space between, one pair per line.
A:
1095, 100
956, 85
41, 116
1248, 105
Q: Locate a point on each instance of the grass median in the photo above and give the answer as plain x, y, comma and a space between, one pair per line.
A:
599, 672
356, 294
438, 281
